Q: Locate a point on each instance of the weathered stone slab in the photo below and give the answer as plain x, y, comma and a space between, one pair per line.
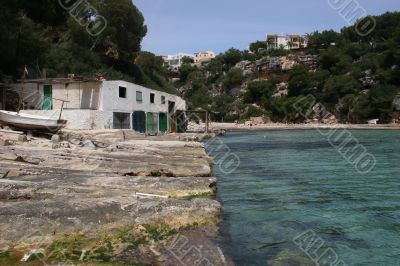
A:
116, 183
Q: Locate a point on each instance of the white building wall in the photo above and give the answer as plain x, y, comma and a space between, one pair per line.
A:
103, 96
204, 56
79, 95
177, 60
78, 119
110, 100
283, 42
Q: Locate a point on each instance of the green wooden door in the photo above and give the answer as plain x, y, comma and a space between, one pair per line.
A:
139, 121
155, 122
48, 97
150, 123
163, 122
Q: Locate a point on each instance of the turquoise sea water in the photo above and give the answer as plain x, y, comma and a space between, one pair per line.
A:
291, 182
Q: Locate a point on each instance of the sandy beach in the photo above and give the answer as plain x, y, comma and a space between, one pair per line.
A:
281, 126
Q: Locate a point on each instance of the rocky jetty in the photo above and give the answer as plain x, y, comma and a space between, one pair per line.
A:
87, 198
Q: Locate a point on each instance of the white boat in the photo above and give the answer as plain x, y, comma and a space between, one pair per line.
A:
30, 122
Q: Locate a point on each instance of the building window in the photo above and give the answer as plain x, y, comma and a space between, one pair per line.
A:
122, 92
152, 97
139, 97
162, 99
121, 121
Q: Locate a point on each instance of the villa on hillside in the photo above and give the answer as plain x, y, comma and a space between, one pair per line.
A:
94, 104
174, 62
287, 42
203, 57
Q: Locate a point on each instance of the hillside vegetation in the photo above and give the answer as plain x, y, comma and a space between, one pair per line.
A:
355, 78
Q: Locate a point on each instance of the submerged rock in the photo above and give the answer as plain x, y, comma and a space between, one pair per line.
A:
291, 258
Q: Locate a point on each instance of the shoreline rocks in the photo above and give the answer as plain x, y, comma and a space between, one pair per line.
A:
127, 201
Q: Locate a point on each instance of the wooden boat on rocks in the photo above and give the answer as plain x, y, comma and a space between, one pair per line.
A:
30, 122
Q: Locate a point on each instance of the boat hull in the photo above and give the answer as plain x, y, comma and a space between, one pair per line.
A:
30, 122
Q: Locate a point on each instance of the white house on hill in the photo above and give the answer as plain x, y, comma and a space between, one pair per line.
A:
286, 42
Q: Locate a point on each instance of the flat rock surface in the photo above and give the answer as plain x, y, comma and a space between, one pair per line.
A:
53, 191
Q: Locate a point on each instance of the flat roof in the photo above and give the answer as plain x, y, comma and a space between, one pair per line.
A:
58, 80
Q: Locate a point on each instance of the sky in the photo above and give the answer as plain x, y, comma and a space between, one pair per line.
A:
200, 25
